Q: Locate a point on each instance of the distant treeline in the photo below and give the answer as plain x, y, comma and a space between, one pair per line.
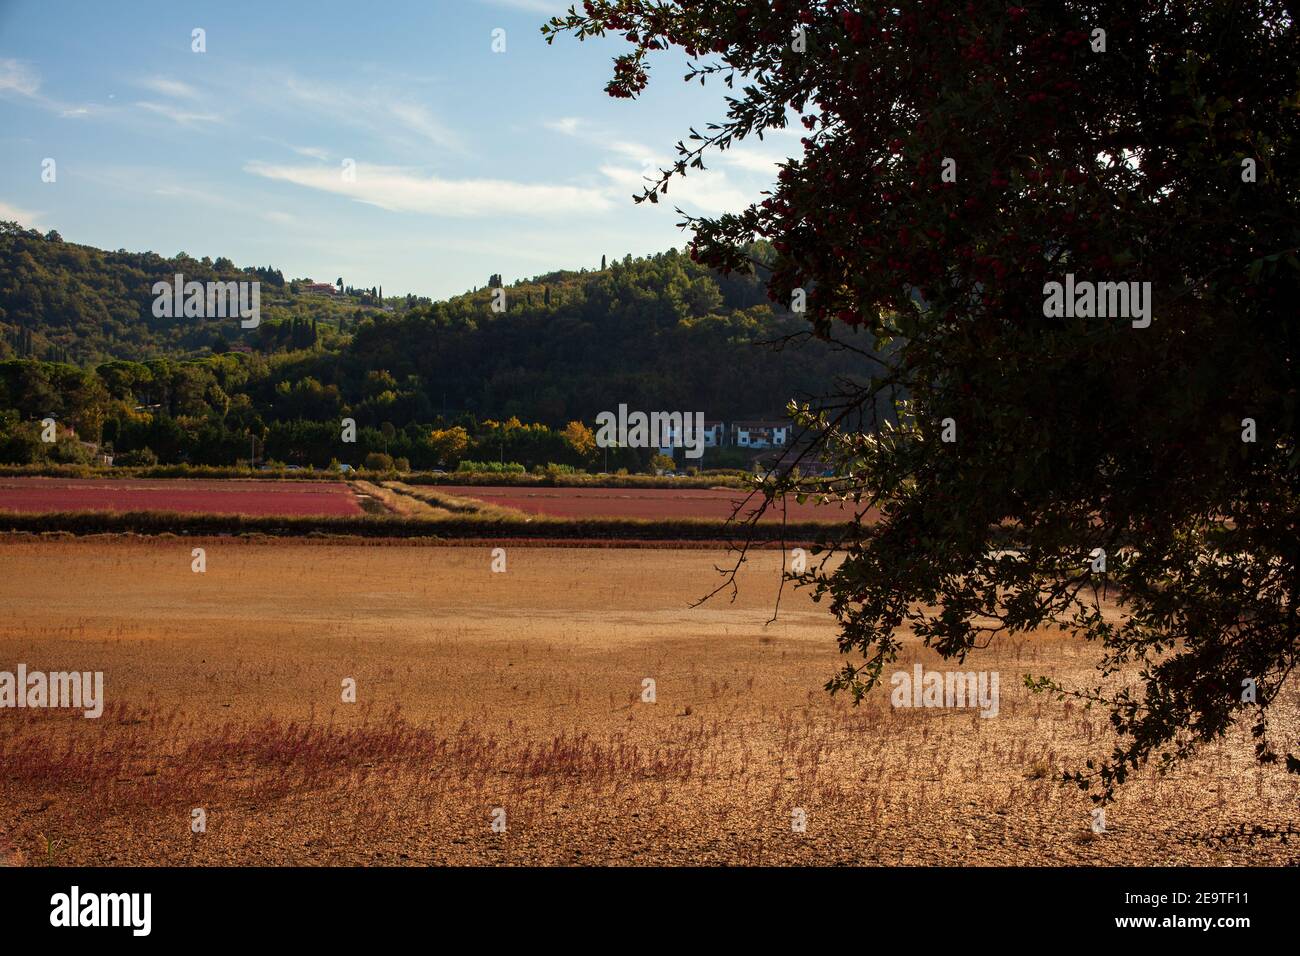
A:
659, 333
73, 303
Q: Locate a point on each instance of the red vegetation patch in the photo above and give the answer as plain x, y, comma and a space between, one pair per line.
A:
42, 495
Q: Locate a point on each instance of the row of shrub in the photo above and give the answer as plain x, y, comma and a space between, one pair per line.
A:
476, 526
539, 476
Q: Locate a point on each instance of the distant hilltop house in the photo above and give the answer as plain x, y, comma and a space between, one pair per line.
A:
756, 434
744, 434
320, 288
760, 434
674, 437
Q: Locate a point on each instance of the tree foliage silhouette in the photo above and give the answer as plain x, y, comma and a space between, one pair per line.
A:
957, 157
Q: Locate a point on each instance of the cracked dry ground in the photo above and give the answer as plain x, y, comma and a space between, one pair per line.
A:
523, 691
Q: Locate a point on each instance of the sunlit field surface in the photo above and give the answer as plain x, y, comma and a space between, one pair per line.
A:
523, 691
720, 503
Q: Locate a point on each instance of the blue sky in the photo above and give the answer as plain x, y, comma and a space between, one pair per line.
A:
467, 162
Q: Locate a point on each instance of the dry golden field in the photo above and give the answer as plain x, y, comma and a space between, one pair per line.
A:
522, 691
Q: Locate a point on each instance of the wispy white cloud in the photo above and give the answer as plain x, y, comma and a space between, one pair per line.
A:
178, 115
752, 159
639, 152
315, 152
533, 6
166, 86
379, 111
178, 188
17, 77
707, 190
24, 217
568, 125
170, 189
403, 190
420, 121
20, 79
648, 159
